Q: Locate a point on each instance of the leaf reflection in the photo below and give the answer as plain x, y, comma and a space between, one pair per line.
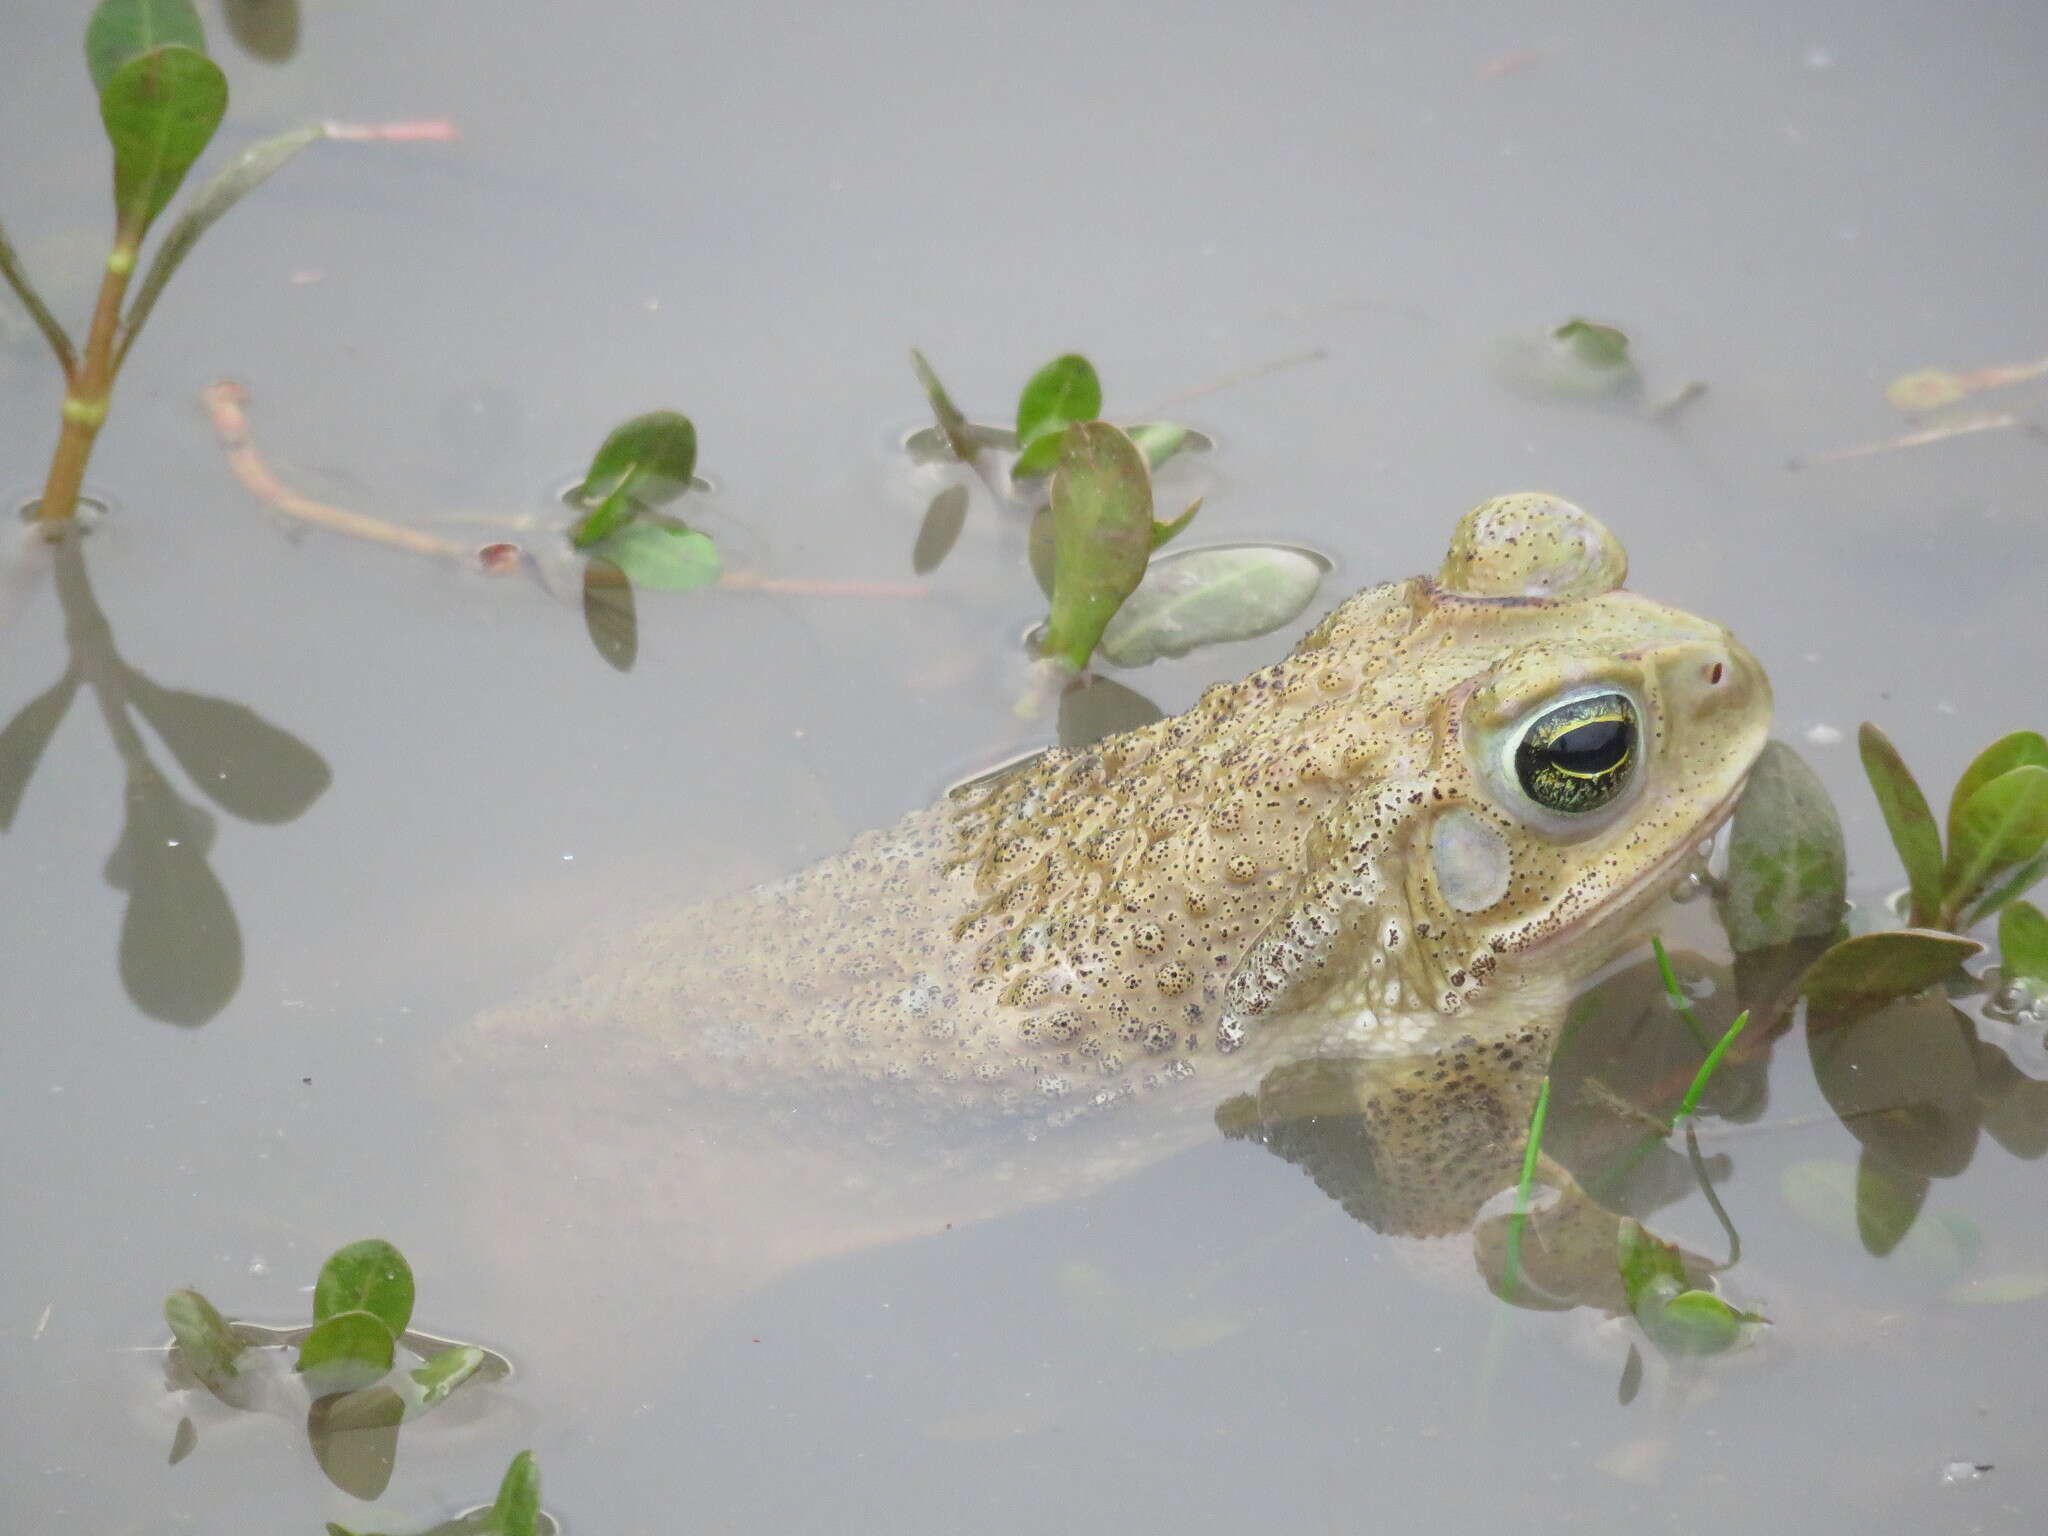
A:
180, 947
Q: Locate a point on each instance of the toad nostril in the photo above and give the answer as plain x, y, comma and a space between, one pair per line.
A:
1714, 674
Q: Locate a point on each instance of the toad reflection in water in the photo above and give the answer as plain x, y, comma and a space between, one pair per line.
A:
1455, 800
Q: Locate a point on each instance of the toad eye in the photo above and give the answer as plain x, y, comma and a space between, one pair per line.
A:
1577, 757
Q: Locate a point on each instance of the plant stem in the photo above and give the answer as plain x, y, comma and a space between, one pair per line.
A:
53, 333
90, 386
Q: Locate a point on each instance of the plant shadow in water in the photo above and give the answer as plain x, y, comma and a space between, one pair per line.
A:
180, 949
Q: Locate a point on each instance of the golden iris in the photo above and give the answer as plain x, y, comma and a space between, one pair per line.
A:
1576, 757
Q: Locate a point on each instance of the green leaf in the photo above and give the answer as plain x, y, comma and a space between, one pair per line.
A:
1061, 393
1831, 1196
645, 463
953, 426
1787, 869
517, 1507
121, 30
662, 557
1158, 440
1594, 344
1872, 969
345, 1352
2023, 943
1102, 537
1652, 1270
208, 1345
369, 1276
2024, 877
1699, 1323
1209, 596
441, 1374
609, 616
239, 760
940, 530
2003, 755
2002, 826
160, 112
227, 187
26, 737
1888, 1202
1907, 818
1165, 533
1039, 455
1581, 361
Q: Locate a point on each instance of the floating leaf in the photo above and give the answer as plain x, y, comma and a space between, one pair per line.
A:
121, 30
26, 737
346, 1351
1929, 389
1102, 536
608, 614
355, 1438
1581, 360
1210, 596
228, 186
662, 557
441, 1374
160, 112
1158, 440
645, 463
1061, 393
940, 530
368, 1276
239, 760
208, 1345
1906, 817
1872, 969
1787, 869
266, 29
2001, 827
2003, 755
954, 427
2023, 943
517, 1507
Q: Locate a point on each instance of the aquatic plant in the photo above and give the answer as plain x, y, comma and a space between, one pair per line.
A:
161, 101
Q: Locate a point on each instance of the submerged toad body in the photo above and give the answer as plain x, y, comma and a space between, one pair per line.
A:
1456, 798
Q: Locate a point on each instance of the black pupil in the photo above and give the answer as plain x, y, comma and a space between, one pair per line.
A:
1590, 749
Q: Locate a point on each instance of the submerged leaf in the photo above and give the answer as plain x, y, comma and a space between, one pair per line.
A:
1581, 360
1787, 868
1209, 596
227, 187
121, 30
2001, 827
1651, 1269
1906, 817
1594, 344
1904, 1081
208, 1345
940, 530
1872, 969
953, 426
1829, 1194
1061, 393
239, 760
609, 617
1102, 537
25, 738
662, 557
354, 1436
369, 1276
1888, 1202
160, 110
2023, 943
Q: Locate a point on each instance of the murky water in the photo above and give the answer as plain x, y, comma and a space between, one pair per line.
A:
749, 214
